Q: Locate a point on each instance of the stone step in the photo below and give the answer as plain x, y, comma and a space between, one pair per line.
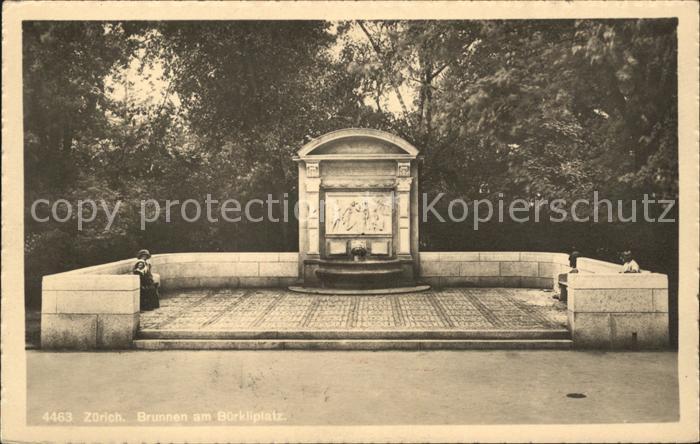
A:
352, 344
357, 291
452, 334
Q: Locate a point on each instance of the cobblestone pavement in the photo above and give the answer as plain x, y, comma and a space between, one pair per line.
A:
278, 309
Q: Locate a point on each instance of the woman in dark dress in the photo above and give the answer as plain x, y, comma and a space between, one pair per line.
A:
149, 291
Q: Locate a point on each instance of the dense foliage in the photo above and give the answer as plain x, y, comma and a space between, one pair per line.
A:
523, 109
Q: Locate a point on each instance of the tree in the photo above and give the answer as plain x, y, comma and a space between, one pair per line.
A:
533, 108
66, 124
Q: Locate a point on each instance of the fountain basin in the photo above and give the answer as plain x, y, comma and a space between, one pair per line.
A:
359, 274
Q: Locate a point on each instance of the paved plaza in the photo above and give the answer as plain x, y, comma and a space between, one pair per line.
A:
277, 309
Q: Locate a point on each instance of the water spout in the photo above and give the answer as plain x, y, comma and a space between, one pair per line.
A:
358, 252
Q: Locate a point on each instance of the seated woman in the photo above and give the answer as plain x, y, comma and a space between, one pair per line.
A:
149, 291
145, 256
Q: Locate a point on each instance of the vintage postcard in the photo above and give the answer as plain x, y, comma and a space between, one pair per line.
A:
350, 221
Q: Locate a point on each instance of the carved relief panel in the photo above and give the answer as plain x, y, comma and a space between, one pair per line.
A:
359, 213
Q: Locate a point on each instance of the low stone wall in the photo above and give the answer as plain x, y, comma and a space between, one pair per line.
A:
606, 309
618, 311
98, 307
229, 270
512, 269
86, 311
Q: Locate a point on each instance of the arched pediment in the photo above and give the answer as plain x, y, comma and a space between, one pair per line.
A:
358, 143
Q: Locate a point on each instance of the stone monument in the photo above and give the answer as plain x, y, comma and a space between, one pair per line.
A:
358, 211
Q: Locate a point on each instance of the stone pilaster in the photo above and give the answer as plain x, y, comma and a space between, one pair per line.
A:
403, 196
313, 185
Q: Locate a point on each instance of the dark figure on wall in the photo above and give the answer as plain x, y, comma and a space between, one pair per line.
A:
629, 265
563, 281
573, 257
145, 255
149, 289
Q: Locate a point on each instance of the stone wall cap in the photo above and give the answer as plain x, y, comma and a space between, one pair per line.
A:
90, 282
617, 280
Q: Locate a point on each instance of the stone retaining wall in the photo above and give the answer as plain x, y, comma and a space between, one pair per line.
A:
214, 270
606, 309
98, 307
86, 311
618, 311
492, 269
